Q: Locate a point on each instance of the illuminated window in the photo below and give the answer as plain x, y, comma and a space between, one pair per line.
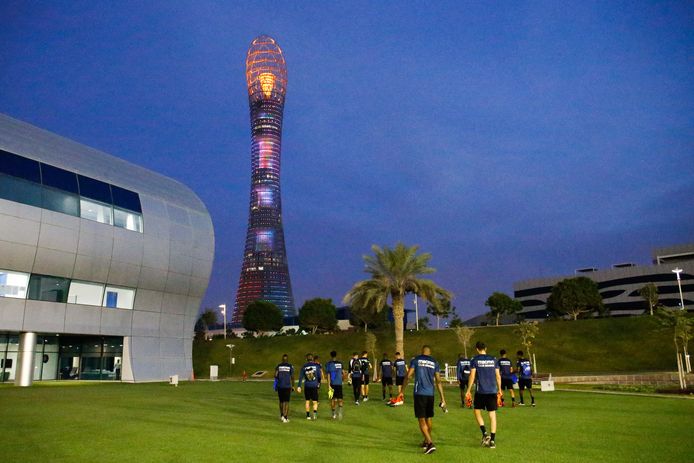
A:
263, 240
264, 196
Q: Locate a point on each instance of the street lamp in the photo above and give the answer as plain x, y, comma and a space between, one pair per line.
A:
224, 312
679, 285
231, 359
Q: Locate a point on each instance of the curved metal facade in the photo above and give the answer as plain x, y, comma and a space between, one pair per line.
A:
265, 270
168, 263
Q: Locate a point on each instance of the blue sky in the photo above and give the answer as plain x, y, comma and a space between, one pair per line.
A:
511, 140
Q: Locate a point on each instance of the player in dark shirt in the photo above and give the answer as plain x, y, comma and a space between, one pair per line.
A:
284, 382
356, 376
387, 376
310, 376
525, 377
463, 373
366, 374
506, 371
425, 370
400, 371
335, 374
484, 373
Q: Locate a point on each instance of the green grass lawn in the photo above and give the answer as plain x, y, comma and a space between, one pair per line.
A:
608, 345
238, 422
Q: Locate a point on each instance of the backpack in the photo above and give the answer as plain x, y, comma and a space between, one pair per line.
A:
356, 367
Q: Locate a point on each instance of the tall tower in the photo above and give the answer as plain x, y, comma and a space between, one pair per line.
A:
265, 271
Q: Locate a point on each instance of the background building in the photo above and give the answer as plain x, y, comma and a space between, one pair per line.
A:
102, 263
265, 270
620, 285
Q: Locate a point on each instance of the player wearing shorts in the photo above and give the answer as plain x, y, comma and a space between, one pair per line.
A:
335, 373
484, 373
284, 382
425, 370
506, 371
463, 373
400, 371
366, 374
356, 375
310, 376
387, 376
525, 377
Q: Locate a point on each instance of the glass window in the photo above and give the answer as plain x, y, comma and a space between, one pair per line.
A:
119, 298
13, 284
128, 220
95, 189
20, 191
60, 201
18, 166
59, 178
97, 212
85, 293
126, 199
46, 288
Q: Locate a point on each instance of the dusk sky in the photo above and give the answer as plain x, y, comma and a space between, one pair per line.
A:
511, 140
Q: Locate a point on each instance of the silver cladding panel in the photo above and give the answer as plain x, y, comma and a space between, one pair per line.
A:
169, 264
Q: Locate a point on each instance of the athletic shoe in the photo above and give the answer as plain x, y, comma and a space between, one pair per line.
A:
308, 417
315, 417
356, 403
334, 416
522, 404
486, 440
366, 399
532, 404
492, 444
282, 419
430, 448
424, 444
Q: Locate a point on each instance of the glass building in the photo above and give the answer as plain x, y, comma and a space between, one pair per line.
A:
103, 263
265, 271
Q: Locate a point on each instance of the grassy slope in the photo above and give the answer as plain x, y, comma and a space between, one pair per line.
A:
233, 421
584, 346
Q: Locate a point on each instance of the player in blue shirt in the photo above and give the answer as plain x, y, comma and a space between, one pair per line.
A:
484, 373
425, 370
387, 376
365, 371
335, 373
284, 384
525, 377
507, 382
310, 376
463, 373
356, 376
400, 371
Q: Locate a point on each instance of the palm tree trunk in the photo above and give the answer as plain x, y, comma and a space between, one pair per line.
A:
399, 318
497, 318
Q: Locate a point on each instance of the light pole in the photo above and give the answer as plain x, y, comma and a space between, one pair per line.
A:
677, 271
231, 359
416, 311
224, 312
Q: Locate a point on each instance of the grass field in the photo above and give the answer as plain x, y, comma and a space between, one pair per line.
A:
238, 422
608, 345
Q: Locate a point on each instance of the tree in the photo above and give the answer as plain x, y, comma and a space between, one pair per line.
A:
456, 322
649, 293
318, 314
262, 316
575, 297
502, 304
423, 324
527, 332
395, 273
209, 317
440, 308
464, 334
367, 317
200, 329
370, 347
682, 326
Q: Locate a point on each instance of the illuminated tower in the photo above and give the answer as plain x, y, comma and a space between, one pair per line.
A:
265, 271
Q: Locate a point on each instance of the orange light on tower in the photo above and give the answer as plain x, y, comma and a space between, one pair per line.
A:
266, 70
267, 83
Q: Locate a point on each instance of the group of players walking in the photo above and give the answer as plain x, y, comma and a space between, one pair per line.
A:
489, 376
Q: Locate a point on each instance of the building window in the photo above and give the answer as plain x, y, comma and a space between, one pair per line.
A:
60, 201
13, 284
95, 189
97, 212
118, 298
18, 166
128, 220
82, 292
19, 190
126, 199
47, 288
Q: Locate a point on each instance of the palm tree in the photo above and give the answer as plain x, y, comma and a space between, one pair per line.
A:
394, 272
